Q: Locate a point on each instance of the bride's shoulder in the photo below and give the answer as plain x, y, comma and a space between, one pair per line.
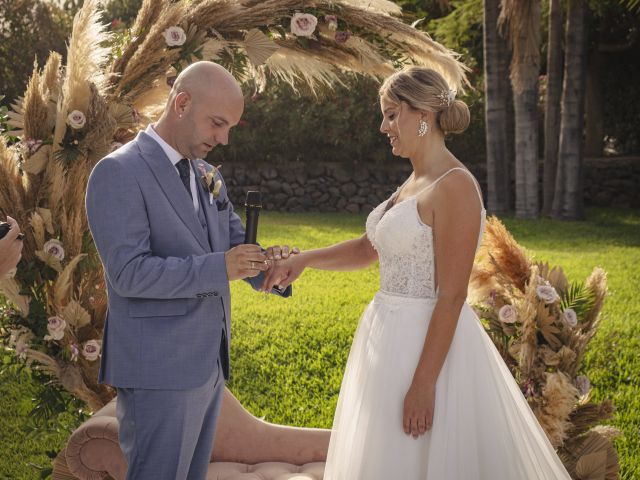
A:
457, 189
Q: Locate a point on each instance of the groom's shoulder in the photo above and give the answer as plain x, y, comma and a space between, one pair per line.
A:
123, 158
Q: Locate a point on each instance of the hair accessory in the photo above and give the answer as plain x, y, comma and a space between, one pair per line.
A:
447, 97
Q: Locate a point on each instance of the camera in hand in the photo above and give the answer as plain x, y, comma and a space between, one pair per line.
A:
4, 229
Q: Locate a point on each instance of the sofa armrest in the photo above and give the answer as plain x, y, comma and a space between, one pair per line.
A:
243, 438
93, 450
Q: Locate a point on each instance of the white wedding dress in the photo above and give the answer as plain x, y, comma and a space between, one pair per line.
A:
483, 428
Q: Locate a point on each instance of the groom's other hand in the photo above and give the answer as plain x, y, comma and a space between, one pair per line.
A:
278, 253
244, 261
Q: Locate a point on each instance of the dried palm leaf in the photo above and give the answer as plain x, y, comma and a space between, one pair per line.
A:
75, 315
258, 47
37, 225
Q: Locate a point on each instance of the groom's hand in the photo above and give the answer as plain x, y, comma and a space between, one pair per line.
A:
244, 261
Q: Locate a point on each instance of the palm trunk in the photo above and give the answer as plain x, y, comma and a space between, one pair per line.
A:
594, 118
552, 104
496, 65
524, 75
568, 202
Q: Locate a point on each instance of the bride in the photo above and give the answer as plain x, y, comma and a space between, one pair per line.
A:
425, 394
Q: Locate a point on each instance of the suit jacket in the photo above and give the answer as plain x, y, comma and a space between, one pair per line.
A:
169, 306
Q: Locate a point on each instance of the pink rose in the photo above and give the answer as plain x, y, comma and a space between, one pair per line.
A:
547, 294
570, 318
174, 36
91, 350
55, 326
508, 314
76, 120
342, 37
55, 248
303, 24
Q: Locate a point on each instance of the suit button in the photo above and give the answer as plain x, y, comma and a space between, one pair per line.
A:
199, 295
215, 294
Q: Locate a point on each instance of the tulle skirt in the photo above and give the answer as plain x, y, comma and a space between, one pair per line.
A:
483, 428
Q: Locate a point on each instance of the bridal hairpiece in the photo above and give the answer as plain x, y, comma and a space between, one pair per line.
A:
447, 97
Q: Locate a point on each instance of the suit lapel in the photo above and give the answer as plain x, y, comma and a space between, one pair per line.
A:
169, 180
210, 211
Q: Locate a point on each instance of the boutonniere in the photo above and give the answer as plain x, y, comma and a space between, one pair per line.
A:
209, 181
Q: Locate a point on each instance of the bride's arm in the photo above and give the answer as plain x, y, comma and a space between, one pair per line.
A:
456, 226
349, 255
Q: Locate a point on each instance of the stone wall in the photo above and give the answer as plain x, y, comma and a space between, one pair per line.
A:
358, 188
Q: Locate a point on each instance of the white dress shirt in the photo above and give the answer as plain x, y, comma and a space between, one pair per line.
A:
175, 157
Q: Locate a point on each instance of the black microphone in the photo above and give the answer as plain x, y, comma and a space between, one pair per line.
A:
252, 206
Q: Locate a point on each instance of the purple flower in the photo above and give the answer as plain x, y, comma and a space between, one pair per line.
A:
570, 318
91, 350
54, 247
547, 294
508, 314
55, 326
342, 36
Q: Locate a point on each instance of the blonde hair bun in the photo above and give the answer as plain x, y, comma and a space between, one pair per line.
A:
425, 89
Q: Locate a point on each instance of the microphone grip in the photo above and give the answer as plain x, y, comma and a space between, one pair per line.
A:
251, 230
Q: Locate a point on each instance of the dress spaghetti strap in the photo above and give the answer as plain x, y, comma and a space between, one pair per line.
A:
475, 182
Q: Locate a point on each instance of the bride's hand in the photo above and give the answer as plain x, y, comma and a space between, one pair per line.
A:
419, 404
283, 272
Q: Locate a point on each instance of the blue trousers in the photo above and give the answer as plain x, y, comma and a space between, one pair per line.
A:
168, 434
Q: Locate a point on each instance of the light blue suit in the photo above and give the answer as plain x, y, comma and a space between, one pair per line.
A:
166, 336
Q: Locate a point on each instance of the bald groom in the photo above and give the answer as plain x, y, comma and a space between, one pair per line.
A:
169, 252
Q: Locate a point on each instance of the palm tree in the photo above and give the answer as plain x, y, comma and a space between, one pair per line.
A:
568, 200
552, 104
496, 85
522, 17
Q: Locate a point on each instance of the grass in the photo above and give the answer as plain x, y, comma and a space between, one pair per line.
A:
288, 355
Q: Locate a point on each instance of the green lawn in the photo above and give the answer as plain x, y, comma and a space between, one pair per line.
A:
288, 355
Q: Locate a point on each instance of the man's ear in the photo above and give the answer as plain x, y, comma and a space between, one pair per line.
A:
182, 103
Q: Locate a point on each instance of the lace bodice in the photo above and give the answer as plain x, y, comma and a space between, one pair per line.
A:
405, 247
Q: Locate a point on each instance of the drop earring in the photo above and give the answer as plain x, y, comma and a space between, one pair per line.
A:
423, 129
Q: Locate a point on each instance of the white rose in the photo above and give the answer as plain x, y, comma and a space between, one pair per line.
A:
55, 248
91, 350
569, 317
547, 294
76, 120
508, 314
303, 24
174, 36
55, 326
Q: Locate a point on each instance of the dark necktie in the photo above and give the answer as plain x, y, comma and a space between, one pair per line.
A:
184, 168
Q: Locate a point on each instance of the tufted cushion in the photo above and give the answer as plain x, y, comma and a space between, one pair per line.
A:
265, 471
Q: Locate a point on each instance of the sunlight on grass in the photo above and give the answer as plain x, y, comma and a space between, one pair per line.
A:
288, 355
